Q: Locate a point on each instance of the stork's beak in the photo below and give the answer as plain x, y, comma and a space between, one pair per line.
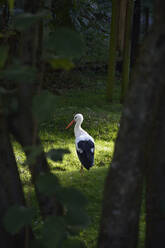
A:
70, 124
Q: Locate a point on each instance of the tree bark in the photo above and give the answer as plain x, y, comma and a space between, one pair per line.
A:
112, 50
146, 23
123, 188
127, 50
121, 26
155, 201
11, 192
136, 32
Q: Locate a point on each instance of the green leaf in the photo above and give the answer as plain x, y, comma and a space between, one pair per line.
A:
19, 73
11, 4
33, 152
61, 63
77, 217
44, 106
17, 217
65, 43
72, 197
26, 20
48, 184
57, 154
54, 232
3, 55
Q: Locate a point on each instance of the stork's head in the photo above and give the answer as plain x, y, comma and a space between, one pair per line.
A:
78, 118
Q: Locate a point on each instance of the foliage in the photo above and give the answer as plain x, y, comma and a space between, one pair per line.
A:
65, 43
18, 217
55, 231
19, 73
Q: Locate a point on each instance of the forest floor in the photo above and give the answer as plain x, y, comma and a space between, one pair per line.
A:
101, 121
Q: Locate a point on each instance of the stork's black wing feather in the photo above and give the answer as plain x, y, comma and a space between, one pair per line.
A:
85, 153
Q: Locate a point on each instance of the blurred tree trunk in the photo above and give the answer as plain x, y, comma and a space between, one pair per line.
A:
121, 26
124, 183
155, 202
11, 192
112, 50
136, 31
127, 50
146, 20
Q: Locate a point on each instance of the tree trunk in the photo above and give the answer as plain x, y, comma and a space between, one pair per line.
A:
123, 188
146, 22
136, 32
127, 50
11, 192
155, 202
121, 26
112, 50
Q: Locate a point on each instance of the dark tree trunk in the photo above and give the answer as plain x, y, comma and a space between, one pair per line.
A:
112, 50
155, 174
11, 192
146, 20
136, 31
127, 50
155, 202
123, 188
121, 26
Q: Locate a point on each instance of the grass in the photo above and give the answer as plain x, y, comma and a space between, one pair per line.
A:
101, 120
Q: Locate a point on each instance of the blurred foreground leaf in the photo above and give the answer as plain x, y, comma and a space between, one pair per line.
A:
72, 197
19, 73
18, 217
26, 20
33, 151
48, 184
44, 106
77, 217
54, 232
65, 43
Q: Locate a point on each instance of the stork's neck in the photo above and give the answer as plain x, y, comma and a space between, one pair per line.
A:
78, 129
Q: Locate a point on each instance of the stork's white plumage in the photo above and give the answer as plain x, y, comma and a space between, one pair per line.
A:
84, 142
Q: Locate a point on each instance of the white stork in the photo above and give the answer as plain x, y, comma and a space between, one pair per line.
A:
84, 143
